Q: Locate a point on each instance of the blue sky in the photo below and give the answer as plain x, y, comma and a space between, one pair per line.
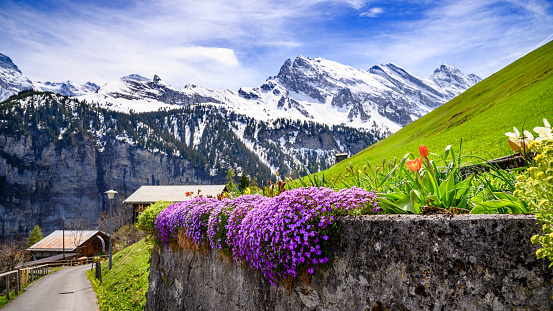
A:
233, 43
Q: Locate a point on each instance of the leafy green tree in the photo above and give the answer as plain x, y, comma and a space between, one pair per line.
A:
243, 182
230, 179
34, 236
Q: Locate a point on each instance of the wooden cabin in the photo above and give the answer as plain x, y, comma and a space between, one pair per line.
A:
83, 242
147, 195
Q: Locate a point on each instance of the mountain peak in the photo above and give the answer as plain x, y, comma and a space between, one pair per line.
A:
156, 79
452, 78
6, 62
447, 68
135, 77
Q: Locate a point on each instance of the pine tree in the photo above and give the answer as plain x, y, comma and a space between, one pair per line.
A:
230, 178
35, 236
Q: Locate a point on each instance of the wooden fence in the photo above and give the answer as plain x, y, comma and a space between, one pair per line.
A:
20, 278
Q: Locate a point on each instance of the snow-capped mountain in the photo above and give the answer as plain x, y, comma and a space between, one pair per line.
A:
385, 97
11, 78
139, 94
12, 81
67, 88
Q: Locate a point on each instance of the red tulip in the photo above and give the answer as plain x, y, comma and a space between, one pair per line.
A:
424, 151
414, 165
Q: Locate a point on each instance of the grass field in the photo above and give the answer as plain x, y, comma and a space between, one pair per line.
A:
124, 286
520, 95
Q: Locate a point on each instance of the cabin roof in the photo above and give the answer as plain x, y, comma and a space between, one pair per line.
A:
152, 194
54, 242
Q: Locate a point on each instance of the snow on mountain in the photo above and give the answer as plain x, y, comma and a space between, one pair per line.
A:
384, 98
135, 77
11, 79
140, 94
451, 80
67, 88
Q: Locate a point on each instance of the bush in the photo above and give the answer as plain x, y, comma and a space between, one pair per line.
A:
536, 188
148, 217
127, 235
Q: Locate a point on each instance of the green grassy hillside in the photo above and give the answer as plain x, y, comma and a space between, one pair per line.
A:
124, 286
520, 95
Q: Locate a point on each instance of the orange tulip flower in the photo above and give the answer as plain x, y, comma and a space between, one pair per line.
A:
424, 151
514, 146
414, 165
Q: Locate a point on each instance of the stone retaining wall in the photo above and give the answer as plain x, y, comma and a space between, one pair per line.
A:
384, 262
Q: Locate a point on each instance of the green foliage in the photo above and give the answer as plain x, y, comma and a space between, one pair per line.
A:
243, 182
230, 179
518, 95
536, 188
124, 286
435, 185
428, 186
127, 235
148, 217
317, 179
34, 236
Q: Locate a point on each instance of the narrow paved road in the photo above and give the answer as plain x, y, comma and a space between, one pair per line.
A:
65, 289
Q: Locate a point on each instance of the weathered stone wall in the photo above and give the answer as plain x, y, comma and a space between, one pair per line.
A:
385, 262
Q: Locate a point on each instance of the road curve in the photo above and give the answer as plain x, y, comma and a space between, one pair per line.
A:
65, 289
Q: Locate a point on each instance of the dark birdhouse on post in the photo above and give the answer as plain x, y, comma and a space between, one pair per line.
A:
341, 157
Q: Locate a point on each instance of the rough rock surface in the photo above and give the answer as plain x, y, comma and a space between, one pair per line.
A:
387, 262
41, 181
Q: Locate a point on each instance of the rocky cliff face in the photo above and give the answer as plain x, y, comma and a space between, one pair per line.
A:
42, 181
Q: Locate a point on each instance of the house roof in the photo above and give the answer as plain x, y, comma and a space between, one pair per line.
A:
152, 194
54, 241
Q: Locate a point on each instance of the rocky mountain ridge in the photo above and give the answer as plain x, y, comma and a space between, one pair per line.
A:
386, 97
50, 142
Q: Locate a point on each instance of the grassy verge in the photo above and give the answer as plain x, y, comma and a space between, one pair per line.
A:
4, 301
124, 286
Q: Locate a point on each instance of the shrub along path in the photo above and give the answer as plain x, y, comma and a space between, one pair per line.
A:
66, 289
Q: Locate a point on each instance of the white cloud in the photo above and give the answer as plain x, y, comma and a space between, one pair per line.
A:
373, 12
200, 54
85, 42
477, 36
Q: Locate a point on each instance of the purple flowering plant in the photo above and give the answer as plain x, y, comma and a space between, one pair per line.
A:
283, 236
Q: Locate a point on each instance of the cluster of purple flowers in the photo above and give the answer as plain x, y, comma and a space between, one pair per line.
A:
280, 236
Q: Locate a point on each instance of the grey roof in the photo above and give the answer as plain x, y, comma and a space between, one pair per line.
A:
152, 194
54, 241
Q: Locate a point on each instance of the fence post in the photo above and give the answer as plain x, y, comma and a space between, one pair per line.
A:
17, 282
8, 286
99, 271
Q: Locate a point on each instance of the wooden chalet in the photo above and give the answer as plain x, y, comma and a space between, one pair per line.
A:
147, 195
83, 242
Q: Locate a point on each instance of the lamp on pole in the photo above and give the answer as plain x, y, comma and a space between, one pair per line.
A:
111, 194
63, 237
